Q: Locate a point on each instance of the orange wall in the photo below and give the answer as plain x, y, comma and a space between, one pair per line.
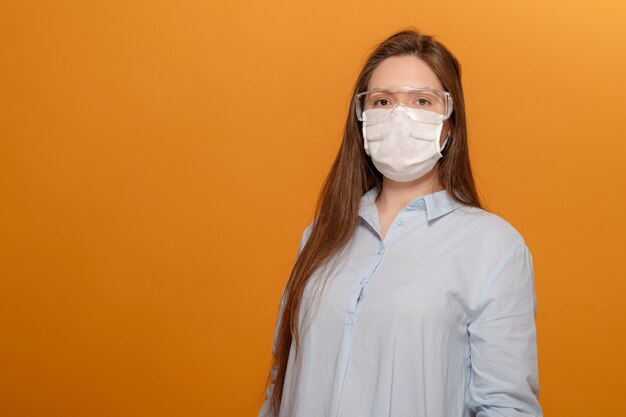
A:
159, 160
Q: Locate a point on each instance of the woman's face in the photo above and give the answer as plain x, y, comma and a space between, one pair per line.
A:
407, 70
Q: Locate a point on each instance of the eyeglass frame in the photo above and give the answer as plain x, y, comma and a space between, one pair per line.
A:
447, 95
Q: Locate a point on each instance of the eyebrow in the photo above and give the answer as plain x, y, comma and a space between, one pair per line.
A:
384, 92
400, 86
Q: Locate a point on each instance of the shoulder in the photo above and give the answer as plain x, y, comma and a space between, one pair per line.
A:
486, 246
305, 236
486, 230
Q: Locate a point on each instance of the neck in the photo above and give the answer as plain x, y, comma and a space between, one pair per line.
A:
395, 195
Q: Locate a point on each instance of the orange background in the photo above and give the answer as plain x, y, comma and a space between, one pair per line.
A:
159, 160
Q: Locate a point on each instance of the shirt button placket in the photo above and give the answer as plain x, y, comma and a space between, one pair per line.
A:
350, 318
361, 286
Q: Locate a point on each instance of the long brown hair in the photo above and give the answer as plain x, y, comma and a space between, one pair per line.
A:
353, 174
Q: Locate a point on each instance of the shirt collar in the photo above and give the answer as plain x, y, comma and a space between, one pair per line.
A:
437, 204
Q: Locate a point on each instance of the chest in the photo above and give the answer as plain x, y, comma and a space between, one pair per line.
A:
410, 284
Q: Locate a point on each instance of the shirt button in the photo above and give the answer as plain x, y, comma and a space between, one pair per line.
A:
350, 318
401, 222
420, 203
381, 251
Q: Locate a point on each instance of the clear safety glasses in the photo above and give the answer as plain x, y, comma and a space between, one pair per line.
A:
437, 103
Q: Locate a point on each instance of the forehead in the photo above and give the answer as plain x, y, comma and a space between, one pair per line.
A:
404, 70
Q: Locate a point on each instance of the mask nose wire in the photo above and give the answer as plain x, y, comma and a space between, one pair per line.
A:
394, 108
404, 107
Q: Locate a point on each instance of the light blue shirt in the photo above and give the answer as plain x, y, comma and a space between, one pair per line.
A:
435, 320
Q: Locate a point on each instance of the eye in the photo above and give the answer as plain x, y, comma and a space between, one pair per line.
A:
381, 102
423, 101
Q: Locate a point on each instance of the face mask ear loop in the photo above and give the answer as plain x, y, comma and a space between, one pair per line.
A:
445, 142
365, 144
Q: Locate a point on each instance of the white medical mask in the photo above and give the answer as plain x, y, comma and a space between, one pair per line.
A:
403, 142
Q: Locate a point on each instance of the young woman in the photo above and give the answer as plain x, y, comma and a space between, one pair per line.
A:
407, 298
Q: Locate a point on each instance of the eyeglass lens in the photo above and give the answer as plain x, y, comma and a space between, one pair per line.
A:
434, 101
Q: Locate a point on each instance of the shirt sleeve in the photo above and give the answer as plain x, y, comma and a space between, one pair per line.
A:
264, 412
503, 342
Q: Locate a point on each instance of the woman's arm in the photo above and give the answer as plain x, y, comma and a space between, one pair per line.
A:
273, 371
503, 342
264, 412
